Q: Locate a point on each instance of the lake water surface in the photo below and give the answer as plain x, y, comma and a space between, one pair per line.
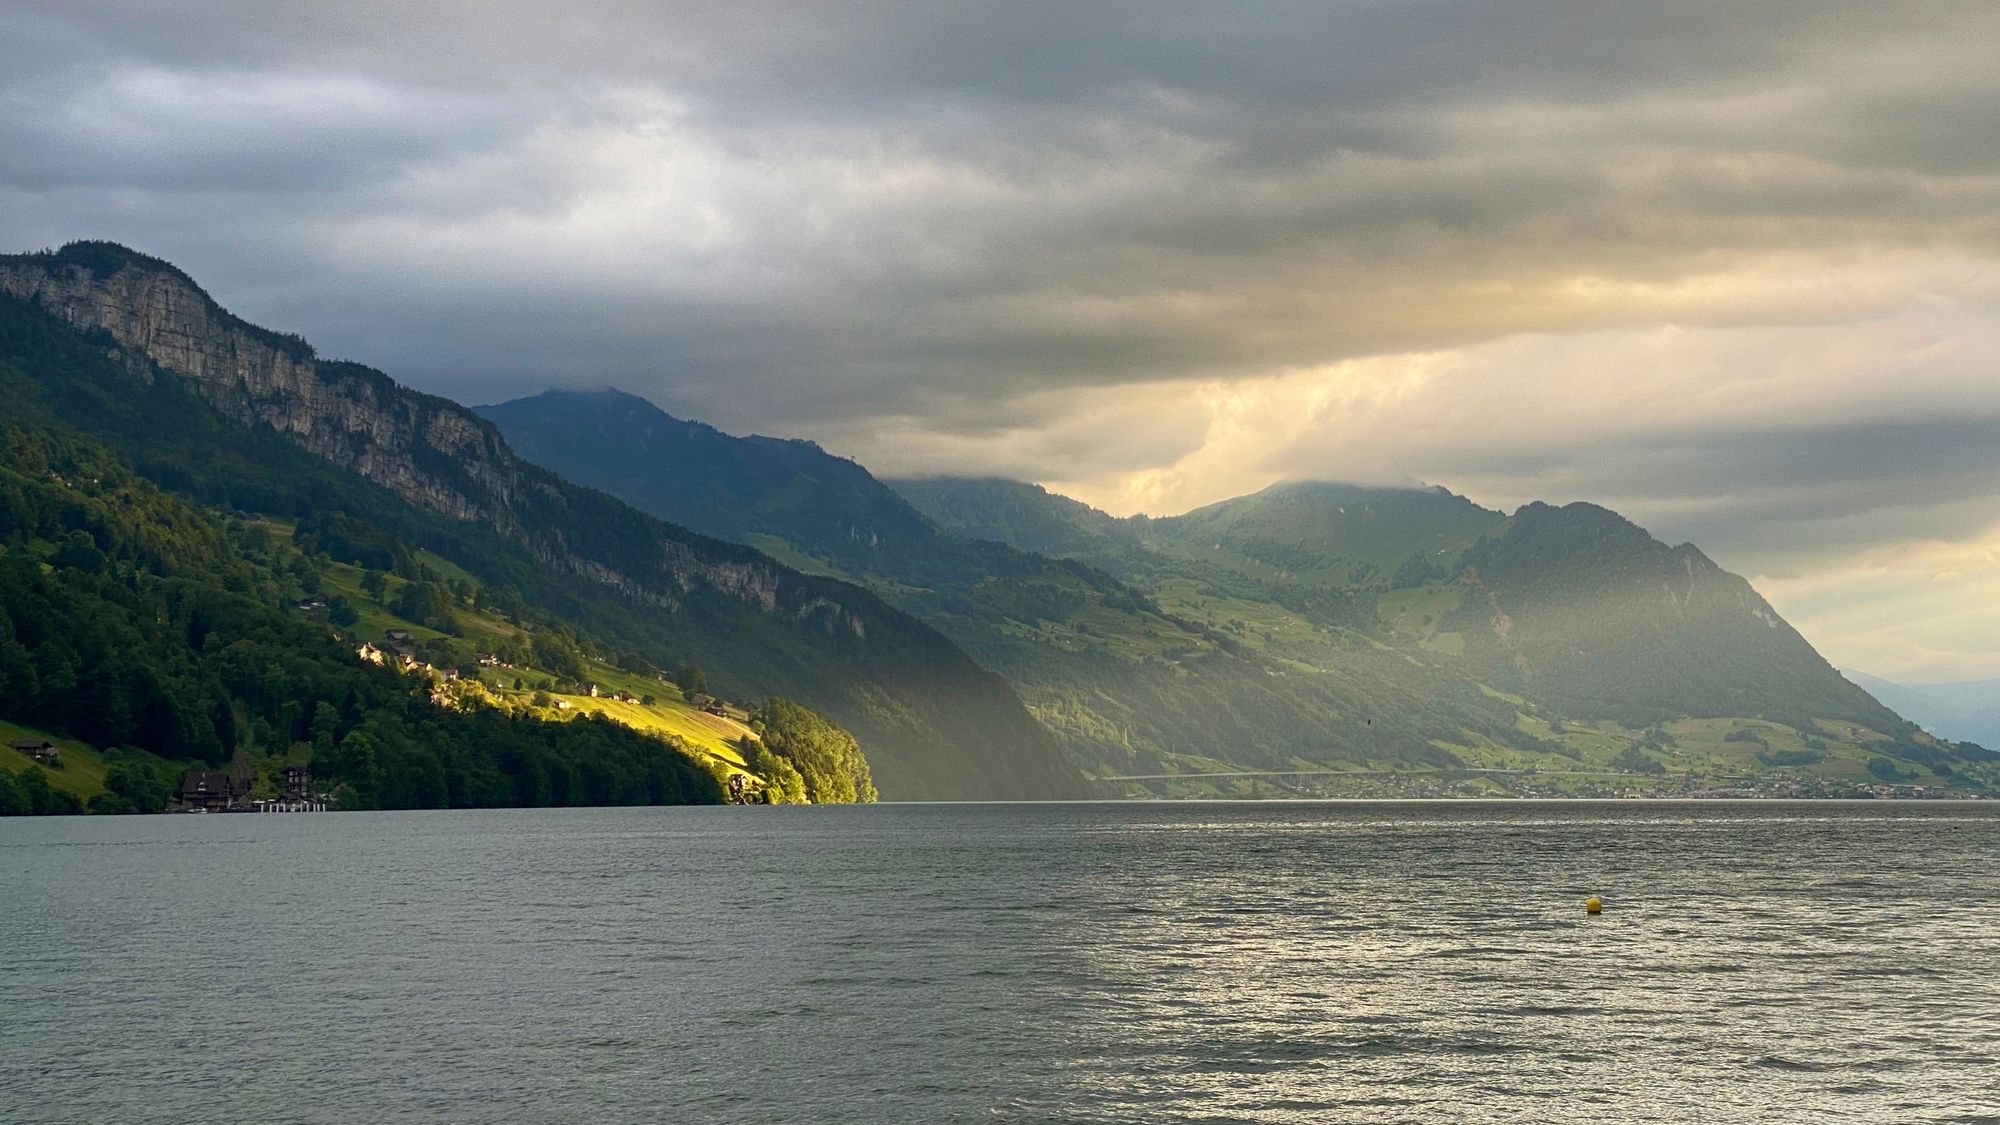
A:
1267, 962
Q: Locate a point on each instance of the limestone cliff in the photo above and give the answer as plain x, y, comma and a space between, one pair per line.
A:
428, 450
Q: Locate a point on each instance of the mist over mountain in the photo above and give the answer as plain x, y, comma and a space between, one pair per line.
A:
1575, 604
1965, 711
1311, 623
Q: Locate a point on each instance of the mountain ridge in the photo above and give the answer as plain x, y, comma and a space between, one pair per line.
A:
844, 650
1521, 586
1311, 623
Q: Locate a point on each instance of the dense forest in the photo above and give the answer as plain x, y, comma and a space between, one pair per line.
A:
129, 619
802, 757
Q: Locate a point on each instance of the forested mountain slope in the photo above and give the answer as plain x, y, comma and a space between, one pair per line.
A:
135, 623
127, 349
739, 488
1126, 684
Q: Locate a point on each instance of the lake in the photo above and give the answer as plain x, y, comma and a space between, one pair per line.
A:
1259, 962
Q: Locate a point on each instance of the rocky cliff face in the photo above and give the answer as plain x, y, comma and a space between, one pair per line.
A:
430, 451
366, 425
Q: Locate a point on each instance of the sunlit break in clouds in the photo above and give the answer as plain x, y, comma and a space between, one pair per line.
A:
1729, 269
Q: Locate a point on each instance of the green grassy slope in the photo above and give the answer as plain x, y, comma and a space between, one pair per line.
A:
80, 768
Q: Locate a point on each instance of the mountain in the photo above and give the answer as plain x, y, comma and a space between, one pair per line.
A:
154, 637
1582, 607
1616, 649
1022, 515
1575, 605
1309, 627
740, 488
1334, 534
1966, 711
130, 351
1123, 684
1312, 626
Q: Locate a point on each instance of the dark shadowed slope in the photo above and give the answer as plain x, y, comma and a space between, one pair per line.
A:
692, 474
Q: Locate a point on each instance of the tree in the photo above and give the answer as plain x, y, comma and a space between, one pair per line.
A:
341, 612
691, 678
827, 758
79, 552
426, 603
782, 783
136, 788
1885, 770
13, 798
373, 583
556, 652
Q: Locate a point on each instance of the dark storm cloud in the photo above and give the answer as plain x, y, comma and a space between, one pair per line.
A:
918, 227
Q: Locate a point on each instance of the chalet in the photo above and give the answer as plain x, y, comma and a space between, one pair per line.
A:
211, 790
314, 604
41, 750
450, 675
590, 688
563, 705
492, 660
397, 636
624, 697
298, 784
370, 654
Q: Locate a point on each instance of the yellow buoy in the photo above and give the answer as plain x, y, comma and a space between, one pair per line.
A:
1593, 905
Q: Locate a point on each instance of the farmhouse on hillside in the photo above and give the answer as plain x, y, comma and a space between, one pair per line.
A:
40, 749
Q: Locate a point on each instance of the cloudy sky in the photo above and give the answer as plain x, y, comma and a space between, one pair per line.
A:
1728, 267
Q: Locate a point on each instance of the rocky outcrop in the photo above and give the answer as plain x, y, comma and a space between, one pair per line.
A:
354, 417
430, 451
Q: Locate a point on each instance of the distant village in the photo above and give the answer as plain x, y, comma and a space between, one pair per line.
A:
397, 649
235, 790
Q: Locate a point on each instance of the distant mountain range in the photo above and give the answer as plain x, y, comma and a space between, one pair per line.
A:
1965, 711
